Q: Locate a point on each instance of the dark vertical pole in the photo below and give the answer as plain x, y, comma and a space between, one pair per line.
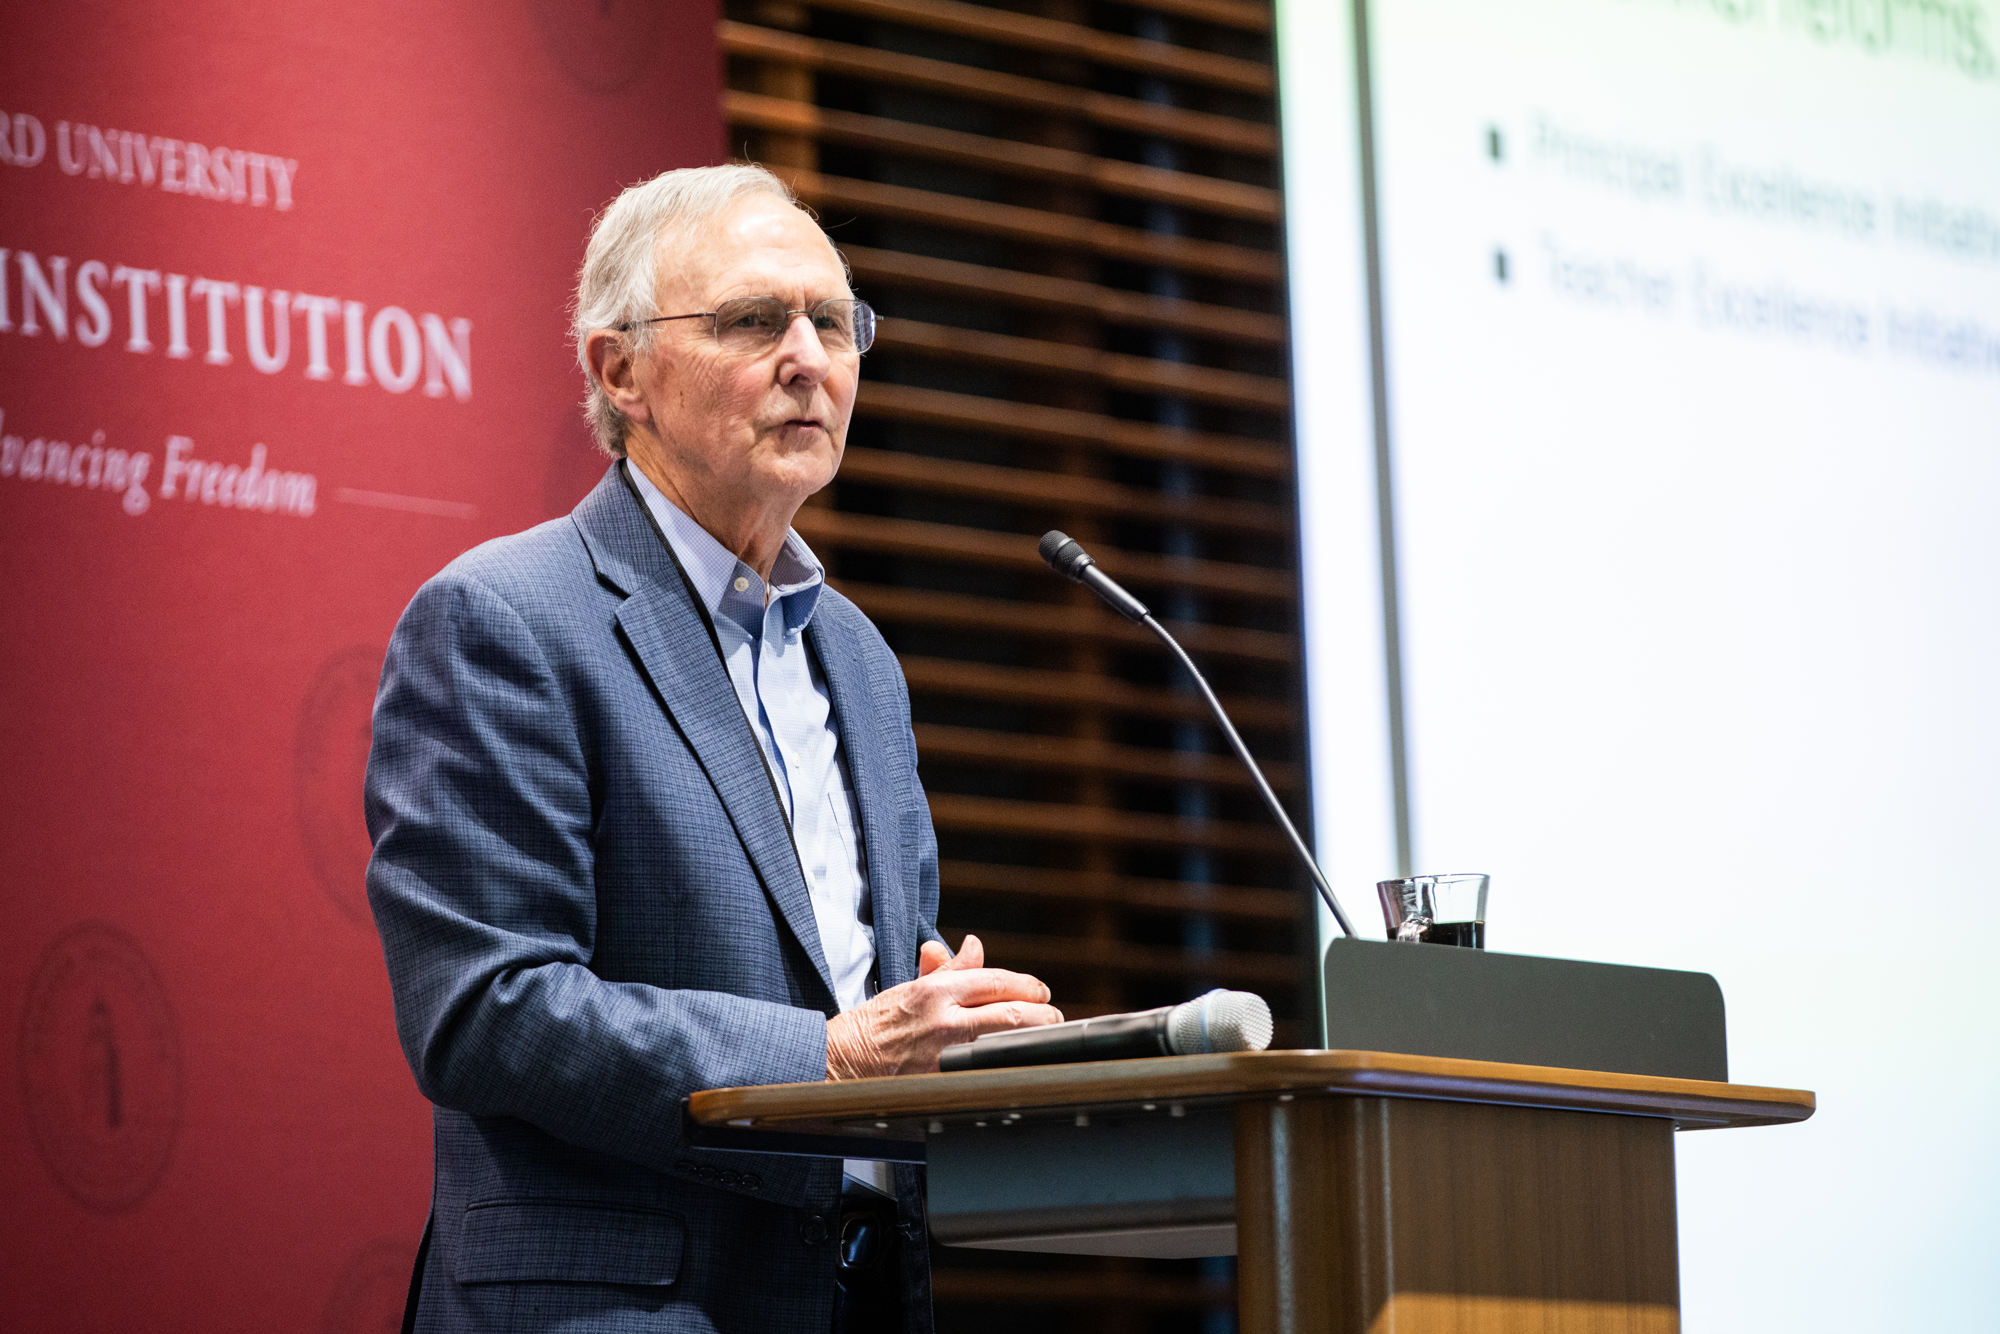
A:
1177, 479
1385, 482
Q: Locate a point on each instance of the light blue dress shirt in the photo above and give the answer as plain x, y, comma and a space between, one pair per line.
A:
761, 629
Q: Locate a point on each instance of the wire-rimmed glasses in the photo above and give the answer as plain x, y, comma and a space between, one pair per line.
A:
751, 323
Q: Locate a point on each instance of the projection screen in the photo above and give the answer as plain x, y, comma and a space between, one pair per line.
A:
1648, 358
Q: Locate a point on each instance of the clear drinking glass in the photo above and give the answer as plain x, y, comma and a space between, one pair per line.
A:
1436, 909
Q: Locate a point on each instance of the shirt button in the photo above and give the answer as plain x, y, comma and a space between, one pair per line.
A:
813, 1230
742, 584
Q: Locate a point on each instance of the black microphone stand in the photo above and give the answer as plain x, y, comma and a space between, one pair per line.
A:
1071, 561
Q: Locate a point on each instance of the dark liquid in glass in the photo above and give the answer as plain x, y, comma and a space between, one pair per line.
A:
1471, 935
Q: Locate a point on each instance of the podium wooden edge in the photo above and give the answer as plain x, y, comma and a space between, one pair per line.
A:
890, 1105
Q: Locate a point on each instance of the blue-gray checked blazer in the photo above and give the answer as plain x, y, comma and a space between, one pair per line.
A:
591, 908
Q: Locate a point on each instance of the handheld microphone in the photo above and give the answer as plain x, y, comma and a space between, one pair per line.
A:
1219, 1021
1072, 562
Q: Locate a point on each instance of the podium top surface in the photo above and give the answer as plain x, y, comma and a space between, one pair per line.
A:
901, 1107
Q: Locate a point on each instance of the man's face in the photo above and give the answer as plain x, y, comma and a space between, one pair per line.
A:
745, 431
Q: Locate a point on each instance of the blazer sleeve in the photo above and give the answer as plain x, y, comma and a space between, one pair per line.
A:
482, 885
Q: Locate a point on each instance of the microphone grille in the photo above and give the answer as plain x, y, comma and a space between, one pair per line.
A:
1220, 1021
1064, 554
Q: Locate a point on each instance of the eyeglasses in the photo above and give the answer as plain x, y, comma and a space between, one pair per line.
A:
751, 323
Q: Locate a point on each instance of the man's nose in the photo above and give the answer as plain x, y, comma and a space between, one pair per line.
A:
801, 354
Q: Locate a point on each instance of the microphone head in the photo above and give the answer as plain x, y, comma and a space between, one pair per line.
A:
1219, 1021
1064, 555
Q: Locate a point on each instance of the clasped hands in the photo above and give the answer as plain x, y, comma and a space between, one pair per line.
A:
902, 1030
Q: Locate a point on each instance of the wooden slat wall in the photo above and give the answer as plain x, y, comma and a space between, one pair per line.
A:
1068, 216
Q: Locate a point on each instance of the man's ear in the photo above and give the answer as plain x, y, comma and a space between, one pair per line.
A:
613, 366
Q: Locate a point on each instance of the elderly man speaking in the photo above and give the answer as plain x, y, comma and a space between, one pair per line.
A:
646, 815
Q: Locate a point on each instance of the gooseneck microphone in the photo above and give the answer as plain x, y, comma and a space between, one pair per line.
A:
1074, 563
1220, 1021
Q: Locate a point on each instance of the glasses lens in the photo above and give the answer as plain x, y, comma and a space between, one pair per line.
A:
844, 325
835, 322
750, 320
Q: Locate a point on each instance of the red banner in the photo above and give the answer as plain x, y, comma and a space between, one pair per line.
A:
282, 330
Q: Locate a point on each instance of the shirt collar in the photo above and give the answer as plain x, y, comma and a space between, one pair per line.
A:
796, 576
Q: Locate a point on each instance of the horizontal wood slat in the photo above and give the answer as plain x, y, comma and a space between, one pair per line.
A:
981, 546
1167, 896
1149, 375
1053, 820
1247, 15
1007, 156
1058, 621
1065, 426
890, 268
830, 195
920, 472
990, 86
1071, 755
1026, 952
1075, 690
1066, 39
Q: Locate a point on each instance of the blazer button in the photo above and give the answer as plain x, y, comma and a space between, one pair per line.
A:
813, 1231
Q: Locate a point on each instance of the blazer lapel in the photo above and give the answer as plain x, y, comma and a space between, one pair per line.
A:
670, 635
858, 715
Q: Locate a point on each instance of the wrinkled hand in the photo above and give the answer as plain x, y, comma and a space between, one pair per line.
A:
902, 1030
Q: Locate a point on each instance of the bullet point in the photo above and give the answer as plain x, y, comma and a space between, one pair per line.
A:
1494, 147
1500, 266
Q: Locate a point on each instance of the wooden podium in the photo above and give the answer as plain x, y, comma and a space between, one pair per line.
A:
1362, 1192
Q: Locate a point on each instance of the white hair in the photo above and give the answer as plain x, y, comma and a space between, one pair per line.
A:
619, 278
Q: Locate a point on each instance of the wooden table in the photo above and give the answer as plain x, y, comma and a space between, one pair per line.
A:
1363, 1192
